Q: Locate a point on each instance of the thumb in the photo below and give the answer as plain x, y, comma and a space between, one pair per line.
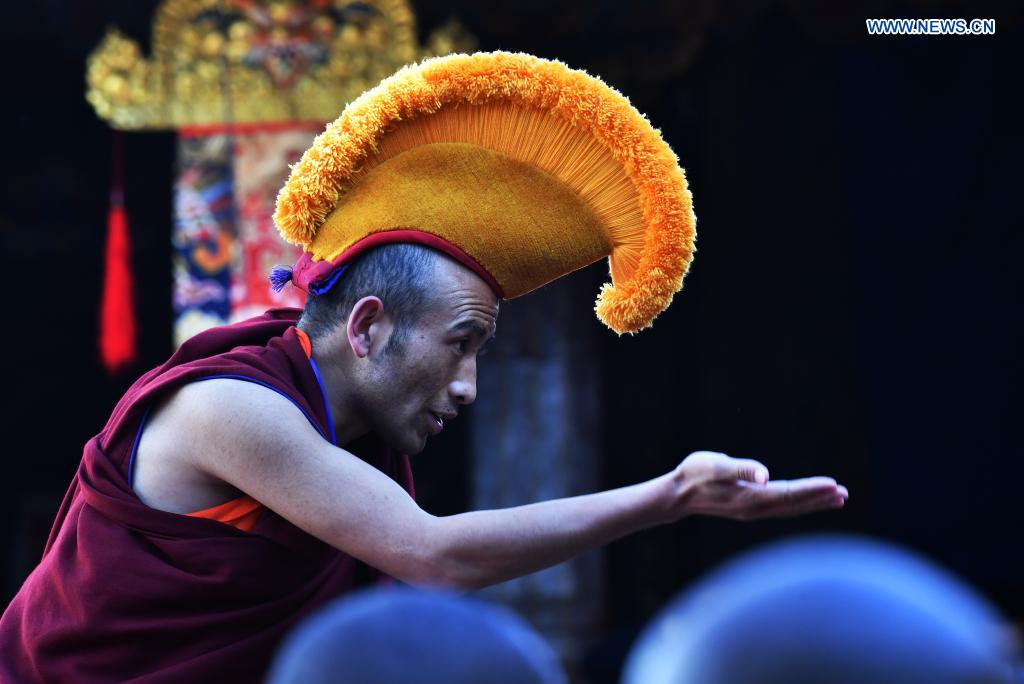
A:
751, 471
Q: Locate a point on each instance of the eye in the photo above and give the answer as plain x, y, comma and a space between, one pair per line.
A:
461, 346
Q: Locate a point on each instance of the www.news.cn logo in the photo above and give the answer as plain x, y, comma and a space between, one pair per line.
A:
931, 27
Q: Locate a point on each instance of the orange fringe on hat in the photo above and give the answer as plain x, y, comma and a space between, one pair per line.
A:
648, 221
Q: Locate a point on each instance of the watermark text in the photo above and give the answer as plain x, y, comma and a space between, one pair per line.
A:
931, 27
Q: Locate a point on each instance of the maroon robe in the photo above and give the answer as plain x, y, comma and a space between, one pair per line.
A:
125, 592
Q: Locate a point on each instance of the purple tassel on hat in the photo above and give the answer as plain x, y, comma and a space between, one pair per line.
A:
279, 277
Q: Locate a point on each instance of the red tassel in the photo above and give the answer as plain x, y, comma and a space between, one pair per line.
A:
117, 316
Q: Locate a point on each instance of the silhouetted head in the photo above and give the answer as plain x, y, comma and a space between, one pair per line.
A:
828, 610
402, 635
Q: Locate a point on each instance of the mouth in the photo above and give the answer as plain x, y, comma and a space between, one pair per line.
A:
437, 421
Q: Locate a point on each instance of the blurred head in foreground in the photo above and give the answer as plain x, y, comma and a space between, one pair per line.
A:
829, 610
400, 635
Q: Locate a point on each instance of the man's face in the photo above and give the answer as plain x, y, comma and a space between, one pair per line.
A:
412, 390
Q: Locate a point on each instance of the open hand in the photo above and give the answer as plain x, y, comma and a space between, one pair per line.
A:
710, 483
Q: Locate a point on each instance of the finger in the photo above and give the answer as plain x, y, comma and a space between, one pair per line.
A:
795, 488
782, 493
822, 483
749, 470
816, 504
801, 506
810, 484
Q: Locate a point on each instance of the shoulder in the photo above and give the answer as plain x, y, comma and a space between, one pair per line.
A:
249, 437
221, 396
218, 412
196, 440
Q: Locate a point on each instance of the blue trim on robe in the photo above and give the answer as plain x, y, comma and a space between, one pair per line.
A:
316, 372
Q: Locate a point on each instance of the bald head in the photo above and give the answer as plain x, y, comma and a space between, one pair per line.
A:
841, 610
400, 635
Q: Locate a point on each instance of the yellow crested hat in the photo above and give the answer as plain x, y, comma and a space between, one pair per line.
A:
519, 167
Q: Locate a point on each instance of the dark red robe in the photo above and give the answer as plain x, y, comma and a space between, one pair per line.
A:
125, 592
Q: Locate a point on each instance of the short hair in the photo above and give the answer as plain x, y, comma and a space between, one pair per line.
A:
401, 275
393, 635
826, 608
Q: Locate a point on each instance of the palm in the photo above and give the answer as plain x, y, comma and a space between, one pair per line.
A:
740, 489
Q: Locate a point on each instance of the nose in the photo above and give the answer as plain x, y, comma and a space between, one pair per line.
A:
463, 388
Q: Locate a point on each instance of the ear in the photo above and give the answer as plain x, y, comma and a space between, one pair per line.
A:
367, 325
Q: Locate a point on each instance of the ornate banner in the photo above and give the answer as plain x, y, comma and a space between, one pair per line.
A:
204, 235
261, 166
225, 242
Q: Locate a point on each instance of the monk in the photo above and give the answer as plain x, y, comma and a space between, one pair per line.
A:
262, 471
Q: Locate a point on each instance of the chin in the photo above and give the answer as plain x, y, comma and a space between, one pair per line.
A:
409, 443
416, 447
405, 439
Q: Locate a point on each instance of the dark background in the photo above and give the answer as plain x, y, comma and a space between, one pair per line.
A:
854, 308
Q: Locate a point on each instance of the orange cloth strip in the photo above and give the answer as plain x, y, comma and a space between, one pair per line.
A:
242, 513
307, 346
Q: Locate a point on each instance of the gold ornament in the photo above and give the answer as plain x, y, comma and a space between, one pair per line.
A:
216, 62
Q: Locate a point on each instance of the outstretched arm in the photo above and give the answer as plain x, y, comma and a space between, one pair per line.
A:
257, 441
492, 546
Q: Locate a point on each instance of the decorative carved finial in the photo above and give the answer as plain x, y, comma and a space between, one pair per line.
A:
256, 61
